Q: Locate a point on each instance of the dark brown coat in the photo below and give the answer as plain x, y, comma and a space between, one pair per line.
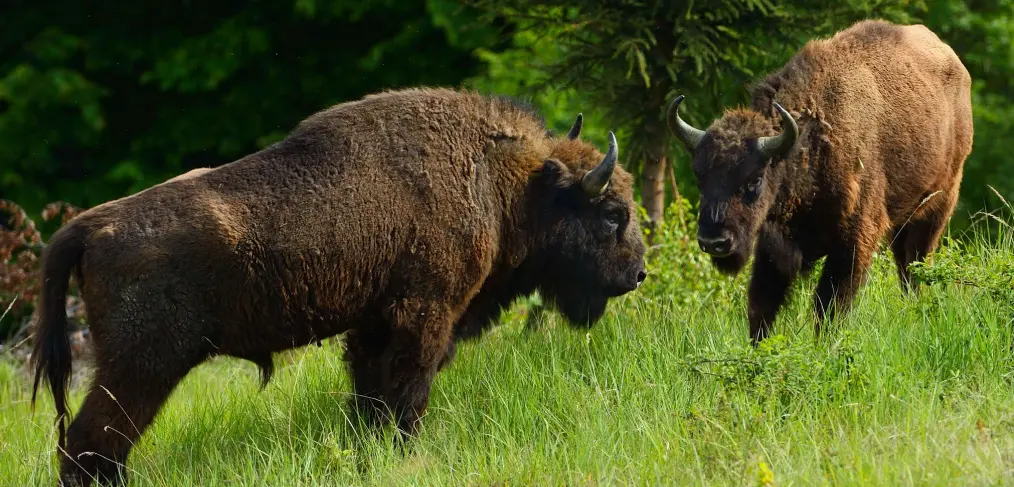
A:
877, 127
389, 219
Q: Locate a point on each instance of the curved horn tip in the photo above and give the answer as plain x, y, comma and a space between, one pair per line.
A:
575, 130
788, 122
783, 142
688, 134
671, 111
596, 181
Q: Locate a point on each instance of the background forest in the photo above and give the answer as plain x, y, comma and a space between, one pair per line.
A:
97, 103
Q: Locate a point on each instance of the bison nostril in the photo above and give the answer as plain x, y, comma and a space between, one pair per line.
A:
641, 276
722, 246
715, 246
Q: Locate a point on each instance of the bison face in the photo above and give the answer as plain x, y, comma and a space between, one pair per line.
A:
591, 244
733, 163
735, 196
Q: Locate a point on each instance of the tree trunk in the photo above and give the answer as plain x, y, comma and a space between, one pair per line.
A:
655, 127
653, 176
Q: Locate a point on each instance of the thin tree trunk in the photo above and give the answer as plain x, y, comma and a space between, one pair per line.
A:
672, 182
653, 177
676, 196
656, 130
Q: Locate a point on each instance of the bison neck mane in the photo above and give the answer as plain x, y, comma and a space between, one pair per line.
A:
796, 173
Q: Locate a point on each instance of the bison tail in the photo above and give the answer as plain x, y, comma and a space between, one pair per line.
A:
51, 353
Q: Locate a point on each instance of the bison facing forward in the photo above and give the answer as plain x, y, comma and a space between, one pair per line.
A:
394, 219
885, 125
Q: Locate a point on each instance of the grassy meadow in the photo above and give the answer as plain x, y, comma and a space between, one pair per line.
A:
664, 391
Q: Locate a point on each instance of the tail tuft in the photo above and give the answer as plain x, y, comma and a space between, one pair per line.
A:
51, 353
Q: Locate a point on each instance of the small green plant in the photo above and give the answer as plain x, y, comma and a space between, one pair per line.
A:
983, 260
677, 269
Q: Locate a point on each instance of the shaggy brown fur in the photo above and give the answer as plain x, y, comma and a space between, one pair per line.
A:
402, 220
885, 124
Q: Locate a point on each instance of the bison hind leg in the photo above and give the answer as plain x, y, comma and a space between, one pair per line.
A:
124, 398
917, 239
903, 257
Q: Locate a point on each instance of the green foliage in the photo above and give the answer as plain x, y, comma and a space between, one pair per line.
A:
520, 70
781, 377
628, 58
984, 261
99, 103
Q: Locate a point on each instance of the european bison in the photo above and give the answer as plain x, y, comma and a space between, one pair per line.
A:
393, 219
884, 127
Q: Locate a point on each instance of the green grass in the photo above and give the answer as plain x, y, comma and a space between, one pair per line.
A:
907, 391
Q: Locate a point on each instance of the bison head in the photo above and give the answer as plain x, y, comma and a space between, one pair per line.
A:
734, 162
590, 246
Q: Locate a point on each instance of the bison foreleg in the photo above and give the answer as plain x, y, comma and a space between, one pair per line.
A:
774, 270
452, 351
903, 256
844, 274
420, 335
394, 362
365, 348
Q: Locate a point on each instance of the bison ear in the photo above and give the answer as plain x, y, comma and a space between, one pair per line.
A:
553, 166
553, 171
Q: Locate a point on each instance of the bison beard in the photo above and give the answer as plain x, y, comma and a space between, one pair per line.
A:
730, 265
439, 209
882, 118
580, 309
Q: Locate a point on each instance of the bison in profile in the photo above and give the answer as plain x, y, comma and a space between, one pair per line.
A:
875, 149
404, 220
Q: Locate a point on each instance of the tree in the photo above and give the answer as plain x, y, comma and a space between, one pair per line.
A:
631, 56
99, 102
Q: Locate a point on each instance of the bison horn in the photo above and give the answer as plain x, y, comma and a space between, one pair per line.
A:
781, 143
688, 134
575, 130
595, 181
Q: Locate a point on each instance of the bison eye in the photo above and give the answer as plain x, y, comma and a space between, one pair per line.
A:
613, 220
754, 185
615, 216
